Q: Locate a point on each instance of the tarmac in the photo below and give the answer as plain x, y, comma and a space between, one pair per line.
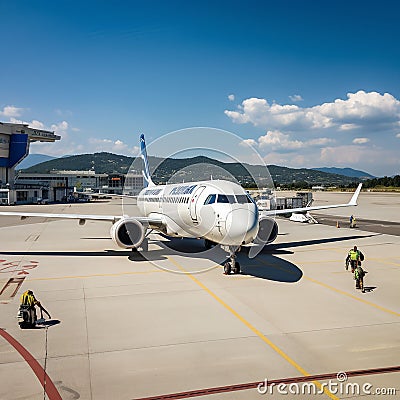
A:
125, 327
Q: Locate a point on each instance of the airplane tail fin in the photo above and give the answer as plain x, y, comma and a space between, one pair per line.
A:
146, 170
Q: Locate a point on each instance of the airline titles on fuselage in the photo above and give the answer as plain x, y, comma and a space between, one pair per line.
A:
156, 195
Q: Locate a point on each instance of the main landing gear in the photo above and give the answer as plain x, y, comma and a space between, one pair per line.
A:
232, 265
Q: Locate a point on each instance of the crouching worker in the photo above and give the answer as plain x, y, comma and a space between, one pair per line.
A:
359, 274
27, 310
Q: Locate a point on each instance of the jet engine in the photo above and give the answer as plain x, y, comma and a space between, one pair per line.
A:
128, 233
267, 231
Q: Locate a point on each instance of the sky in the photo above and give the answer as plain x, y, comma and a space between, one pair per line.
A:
303, 83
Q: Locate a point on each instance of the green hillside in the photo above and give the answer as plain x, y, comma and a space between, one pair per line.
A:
192, 169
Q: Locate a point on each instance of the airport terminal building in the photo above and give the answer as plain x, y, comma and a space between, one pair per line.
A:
14, 147
19, 187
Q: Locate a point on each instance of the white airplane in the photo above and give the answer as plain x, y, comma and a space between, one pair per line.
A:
219, 211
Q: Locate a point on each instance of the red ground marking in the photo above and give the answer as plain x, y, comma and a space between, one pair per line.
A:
44, 379
254, 385
14, 266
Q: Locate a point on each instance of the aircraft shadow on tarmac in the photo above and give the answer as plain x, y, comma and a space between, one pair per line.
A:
271, 268
276, 269
273, 248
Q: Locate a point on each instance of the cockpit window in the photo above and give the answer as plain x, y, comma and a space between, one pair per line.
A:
242, 199
226, 198
210, 199
222, 198
251, 200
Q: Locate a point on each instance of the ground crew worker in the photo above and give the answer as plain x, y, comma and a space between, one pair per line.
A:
359, 274
351, 221
354, 258
28, 303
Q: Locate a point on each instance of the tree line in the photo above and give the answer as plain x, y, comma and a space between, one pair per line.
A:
386, 181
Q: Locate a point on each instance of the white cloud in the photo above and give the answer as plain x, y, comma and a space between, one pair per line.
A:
360, 109
319, 141
260, 113
231, 97
11, 111
60, 128
112, 146
296, 98
67, 145
36, 124
276, 140
343, 128
360, 140
348, 127
248, 142
362, 106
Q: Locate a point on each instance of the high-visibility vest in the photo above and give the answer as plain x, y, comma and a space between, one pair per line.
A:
28, 299
354, 255
359, 273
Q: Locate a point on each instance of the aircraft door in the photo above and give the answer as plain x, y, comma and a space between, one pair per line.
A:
194, 203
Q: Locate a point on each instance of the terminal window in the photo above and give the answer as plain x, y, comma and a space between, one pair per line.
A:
22, 195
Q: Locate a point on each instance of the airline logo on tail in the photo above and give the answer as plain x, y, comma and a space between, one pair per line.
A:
143, 154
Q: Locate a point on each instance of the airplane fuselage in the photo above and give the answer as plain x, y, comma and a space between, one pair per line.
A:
220, 211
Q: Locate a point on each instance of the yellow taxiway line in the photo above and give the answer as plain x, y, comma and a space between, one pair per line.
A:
252, 328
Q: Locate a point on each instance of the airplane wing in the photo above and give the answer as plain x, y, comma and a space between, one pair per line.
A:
81, 217
352, 202
107, 194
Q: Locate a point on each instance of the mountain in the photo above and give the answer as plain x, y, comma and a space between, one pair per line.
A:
34, 159
192, 169
99, 162
353, 173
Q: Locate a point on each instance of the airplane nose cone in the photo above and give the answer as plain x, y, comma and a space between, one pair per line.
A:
241, 226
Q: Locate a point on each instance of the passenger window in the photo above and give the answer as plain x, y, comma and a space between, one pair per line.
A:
210, 199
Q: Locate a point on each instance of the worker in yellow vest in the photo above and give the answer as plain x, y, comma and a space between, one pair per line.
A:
27, 310
354, 258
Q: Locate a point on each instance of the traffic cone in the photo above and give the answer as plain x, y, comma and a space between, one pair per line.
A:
337, 224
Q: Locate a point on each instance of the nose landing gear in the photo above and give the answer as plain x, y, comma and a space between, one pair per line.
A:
232, 265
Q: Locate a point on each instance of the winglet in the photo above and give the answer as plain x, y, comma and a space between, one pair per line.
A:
143, 154
353, 201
